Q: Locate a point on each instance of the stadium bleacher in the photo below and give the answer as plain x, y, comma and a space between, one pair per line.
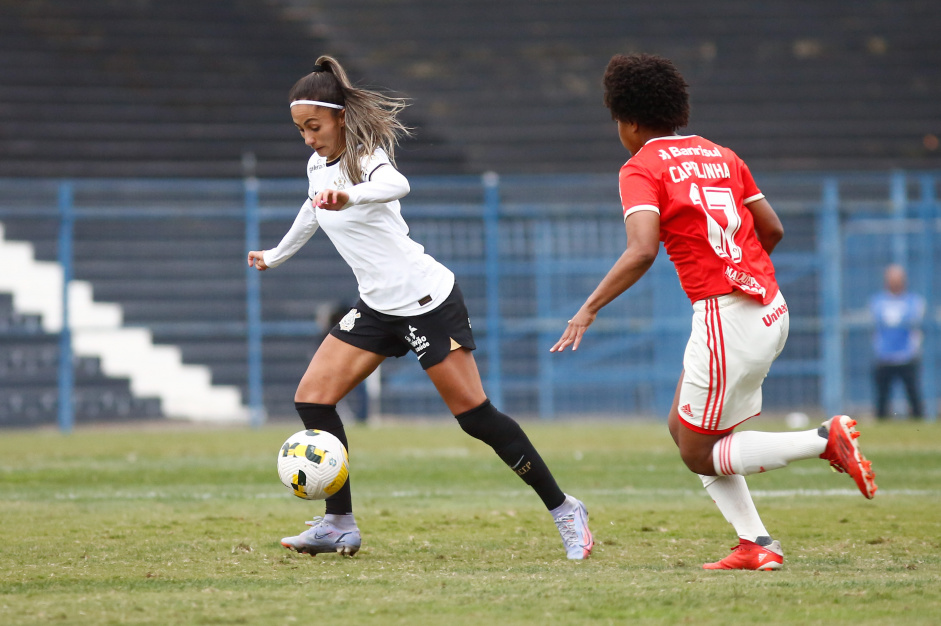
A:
180, 88
796, 85
171, 88
184, 280
29, 361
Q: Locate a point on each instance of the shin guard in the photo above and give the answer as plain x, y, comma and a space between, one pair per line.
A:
325, 417
511, 444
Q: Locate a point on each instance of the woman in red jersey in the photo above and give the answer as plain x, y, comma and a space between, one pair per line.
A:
701, 201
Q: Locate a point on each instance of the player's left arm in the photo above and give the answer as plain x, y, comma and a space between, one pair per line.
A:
643, 244
385, 184
768, 225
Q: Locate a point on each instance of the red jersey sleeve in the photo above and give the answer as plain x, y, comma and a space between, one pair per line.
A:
749, 187
639, 189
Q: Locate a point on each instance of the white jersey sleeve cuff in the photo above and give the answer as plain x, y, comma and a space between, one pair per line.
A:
750, 199
641, 207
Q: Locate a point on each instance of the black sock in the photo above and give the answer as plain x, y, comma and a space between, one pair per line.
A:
325, 417
512, 445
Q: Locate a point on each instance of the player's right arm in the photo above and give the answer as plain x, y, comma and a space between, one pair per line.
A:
303, 228
643, 243
768, 226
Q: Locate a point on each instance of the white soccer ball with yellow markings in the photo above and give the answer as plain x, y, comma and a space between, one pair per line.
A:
313, 464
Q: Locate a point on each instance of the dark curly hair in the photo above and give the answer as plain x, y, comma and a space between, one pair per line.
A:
647, 90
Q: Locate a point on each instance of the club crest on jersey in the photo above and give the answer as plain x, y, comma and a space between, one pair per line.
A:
349, 320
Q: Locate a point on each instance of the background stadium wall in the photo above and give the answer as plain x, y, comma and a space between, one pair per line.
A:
526, 250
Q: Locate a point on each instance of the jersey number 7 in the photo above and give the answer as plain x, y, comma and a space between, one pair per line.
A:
722, 219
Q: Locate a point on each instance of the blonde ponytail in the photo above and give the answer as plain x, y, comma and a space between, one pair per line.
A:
371, 117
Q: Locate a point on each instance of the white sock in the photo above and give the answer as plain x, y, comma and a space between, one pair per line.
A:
568, 506
731, 495
751, 452
341, 522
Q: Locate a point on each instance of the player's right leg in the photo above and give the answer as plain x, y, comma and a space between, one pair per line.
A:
751, 556
732, 497
337, 367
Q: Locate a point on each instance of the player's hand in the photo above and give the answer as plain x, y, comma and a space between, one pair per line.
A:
256, 259
574, 332
331, 200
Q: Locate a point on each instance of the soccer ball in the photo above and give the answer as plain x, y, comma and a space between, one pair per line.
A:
313, 464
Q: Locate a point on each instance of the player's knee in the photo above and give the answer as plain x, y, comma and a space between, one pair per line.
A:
320, 417
489, 425
314, 394
698, 461
673, 424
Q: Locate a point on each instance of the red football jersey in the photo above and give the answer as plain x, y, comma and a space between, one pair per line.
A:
701, 190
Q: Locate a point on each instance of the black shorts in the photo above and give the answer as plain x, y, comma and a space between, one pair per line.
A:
431, 336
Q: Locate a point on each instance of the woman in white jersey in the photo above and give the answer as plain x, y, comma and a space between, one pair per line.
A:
408, 300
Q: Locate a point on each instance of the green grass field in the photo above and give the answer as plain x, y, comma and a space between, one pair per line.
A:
162, 525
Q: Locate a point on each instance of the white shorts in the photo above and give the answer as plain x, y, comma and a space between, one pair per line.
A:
734, 340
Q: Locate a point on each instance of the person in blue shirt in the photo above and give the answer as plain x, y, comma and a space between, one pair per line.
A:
897, 315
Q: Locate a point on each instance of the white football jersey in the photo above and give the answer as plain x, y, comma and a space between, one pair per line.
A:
394, 274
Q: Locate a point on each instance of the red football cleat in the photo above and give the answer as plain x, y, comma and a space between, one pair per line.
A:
749, 555
844, 454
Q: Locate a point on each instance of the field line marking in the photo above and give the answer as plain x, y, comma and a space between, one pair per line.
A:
464, 493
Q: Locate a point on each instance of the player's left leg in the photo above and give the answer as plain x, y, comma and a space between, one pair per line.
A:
909, 375
458, 381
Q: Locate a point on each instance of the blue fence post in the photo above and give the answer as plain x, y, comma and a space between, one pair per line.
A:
545, 270
829, 252
256, 403
928, 212
66, 373
491, 183
898, 197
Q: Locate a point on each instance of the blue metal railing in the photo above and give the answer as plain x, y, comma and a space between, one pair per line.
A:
66, 415
531, 270
254, 334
